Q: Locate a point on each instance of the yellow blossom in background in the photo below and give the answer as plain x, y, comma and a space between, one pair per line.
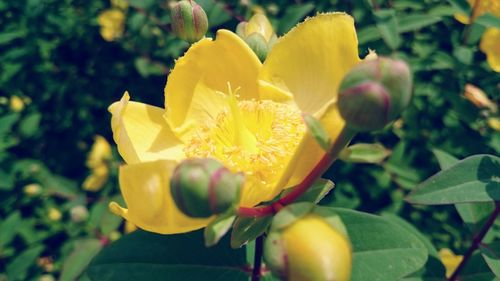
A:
112, 23
222, 102
98, 162
32, 189
119, 4
16, 104
481, 7
490, 45
449, 260
54, 214
494, 123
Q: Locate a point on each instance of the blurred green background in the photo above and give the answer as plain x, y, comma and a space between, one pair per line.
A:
58, 75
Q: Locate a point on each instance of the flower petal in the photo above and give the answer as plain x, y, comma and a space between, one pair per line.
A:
490, 45
309, 152
311, 60
192, 93
146, 190
141, 133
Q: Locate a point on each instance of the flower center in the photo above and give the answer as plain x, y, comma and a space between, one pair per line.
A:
253, 137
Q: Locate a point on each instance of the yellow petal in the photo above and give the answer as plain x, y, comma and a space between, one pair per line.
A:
449, 260
207, 68
309, 152
311, 60
490, 45
141, 133
146, 190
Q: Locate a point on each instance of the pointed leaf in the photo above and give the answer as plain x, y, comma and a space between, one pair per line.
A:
143, 255
78, 260
317, 191
491, 255
217, 228
365, 153
474, 179
246, 229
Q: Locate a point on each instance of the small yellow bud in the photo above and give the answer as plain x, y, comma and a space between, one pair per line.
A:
32, 189
79, 213
97, 179
54, 214
494, 123
112, 23
16, 104
99, 153
114, 235
309, 249
449, 260
4, 100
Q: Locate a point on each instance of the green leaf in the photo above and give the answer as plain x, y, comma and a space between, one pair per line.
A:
293, 15
434, 268
474, 179
216, 12
7, 183
218, 227
317, 191
148, 256
6, 123
368, 34
6, 37
445, 160
388, 26
143, 4
18, 268
383, 250
30, 124
78, 260
491, 255
414, 22
317, 131
488, 20
477, 270
8, 228
461, 6
147, 67
365, 153
246, 229
290, 214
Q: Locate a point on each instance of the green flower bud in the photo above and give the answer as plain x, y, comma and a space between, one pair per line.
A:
258, 33
189, 21
258, 44
309, 249
202, 187
374, 93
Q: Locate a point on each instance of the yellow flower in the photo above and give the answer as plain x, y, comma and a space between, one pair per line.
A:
494, 123
479, 7
222, 102
16, 104
97, 162
112, 23
449, 260
490, 45
54, 214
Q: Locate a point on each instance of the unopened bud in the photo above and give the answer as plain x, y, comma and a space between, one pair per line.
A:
202, 187
309, 249
54, 214
32, 189
374, 93
79, 213
189, 21
258, 33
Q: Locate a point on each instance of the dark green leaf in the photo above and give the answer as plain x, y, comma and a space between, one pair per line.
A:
488, 20
6, 123
246, 229
290, 214
8, 228
474, 179
319, 189
18, 268
477, 270
216, 12
6, 182
217, 228
143, 4
383, 250
445, 160
30, 124
77, 261
461, 6
414, 22
388, 26
368, 34
293, 15
6, 37
491, 255
147, 256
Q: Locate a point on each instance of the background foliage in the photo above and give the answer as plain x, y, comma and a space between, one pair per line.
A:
58, 75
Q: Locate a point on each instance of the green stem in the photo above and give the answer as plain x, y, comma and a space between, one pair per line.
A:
476, 241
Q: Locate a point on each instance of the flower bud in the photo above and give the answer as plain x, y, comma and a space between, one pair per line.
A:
189, 21
32, 189
54, 214
79, 213
309, 249
258, 33
202, 187
374, 93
